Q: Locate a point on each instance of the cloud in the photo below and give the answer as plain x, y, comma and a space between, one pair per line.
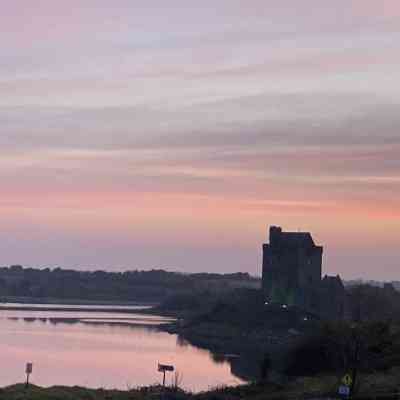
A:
197, 124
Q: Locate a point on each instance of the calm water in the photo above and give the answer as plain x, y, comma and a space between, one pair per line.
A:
100, 349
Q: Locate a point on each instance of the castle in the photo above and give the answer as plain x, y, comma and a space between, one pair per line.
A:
292, 271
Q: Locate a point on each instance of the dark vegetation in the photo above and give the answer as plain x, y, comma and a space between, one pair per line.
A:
376, 386
293, 342
372, 303
341, 347
367, 344
373, 331
17, 283
239, 323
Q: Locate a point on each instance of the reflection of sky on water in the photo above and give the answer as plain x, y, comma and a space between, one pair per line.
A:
61, 316
100, 354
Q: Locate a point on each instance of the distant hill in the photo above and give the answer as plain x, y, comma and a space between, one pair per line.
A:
44, 285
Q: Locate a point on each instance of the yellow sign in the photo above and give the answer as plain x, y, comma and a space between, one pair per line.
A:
347, 380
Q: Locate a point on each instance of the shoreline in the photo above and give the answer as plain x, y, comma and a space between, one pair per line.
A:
132, 315
72, 301
69, 309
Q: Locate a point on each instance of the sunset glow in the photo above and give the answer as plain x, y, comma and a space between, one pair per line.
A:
171, 134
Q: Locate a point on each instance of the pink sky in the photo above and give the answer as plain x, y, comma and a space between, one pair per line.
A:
140, 135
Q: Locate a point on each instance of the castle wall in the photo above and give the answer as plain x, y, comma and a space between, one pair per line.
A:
310, 266
280, 275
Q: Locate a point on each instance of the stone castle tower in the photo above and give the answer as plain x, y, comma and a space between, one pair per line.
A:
291, 274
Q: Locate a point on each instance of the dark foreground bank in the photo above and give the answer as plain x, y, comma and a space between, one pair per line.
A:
372, 386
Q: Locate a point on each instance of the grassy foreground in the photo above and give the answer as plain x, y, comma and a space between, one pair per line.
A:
385, 386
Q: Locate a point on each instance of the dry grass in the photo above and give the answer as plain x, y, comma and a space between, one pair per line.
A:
371, 386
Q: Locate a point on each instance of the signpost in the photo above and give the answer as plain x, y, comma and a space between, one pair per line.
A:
165, 368
28, 371
344, 388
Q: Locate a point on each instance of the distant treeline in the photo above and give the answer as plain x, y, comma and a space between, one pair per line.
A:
130, 286
381, 284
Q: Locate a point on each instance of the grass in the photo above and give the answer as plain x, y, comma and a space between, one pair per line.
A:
20, 392
372, 386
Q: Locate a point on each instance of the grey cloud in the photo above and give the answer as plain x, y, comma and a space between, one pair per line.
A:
248, 122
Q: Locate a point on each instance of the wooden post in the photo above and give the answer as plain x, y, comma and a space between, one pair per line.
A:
165, 368
354, 373
28, 371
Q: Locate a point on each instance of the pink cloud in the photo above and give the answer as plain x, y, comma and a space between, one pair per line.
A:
377, 8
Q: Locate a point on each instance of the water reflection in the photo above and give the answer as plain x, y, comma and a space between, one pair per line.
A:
99, 349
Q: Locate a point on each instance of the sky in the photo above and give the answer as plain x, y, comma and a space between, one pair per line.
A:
149, 134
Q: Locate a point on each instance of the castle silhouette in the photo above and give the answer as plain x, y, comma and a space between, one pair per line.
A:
292, 275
